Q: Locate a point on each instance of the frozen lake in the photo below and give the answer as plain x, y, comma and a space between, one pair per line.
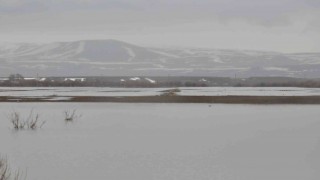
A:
192, 91
166, 141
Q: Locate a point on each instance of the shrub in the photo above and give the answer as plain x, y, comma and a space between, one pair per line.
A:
32, 122
70, 116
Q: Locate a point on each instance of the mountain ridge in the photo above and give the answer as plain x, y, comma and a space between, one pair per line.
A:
113, 57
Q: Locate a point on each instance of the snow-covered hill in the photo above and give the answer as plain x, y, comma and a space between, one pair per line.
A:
112, 57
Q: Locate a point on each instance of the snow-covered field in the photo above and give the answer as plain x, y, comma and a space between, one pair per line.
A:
195, 91
165, 142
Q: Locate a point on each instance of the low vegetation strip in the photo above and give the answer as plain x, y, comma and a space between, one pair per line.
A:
176, 99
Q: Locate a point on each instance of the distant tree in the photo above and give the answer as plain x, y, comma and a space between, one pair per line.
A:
15, 77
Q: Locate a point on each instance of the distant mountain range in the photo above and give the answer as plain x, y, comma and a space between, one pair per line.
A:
116, 58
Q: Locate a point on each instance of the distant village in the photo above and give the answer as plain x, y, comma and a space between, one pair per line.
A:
102, 81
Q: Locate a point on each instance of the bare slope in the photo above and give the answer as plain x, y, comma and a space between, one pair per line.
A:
112, 57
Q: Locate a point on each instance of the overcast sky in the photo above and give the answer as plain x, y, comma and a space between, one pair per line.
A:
273, 25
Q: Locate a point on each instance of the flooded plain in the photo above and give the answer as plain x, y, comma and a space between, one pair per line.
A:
165, 141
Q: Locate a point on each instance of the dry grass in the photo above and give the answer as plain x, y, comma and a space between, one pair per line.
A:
32, 122
5, 171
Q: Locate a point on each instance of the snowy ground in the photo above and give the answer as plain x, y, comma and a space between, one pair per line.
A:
165, 142
196, 91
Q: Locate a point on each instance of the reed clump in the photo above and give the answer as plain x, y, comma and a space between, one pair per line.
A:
71, 115
31, 122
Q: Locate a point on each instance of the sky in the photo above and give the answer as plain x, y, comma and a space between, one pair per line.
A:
269, 25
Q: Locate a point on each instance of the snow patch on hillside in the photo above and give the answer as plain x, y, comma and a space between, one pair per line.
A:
165, 54
42, 49
130, 53
80, 47
150, 80
135, 79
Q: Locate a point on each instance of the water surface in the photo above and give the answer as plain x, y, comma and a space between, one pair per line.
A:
166, 141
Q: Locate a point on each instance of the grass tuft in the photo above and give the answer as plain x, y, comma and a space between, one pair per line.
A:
70, 116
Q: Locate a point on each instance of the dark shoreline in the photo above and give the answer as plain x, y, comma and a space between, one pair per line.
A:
171, 99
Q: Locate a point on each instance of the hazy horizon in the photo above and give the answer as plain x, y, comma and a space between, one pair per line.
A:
274, 25
155, 46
